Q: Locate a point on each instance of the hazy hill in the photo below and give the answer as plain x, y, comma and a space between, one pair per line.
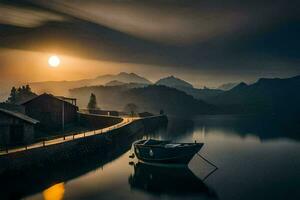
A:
108, 97
63, 87
201, 94
172, 101
174, 82
266, 95
121, 77
114, 83
150, 98
227, 86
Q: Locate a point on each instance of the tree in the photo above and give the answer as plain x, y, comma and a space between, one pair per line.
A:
27, 89
92, 105
19, 90
21, 94
131, 108
13, 95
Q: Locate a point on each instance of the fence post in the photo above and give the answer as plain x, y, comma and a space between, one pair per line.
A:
73, 136
64, 137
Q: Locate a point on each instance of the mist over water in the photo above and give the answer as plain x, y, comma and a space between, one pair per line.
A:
257, 157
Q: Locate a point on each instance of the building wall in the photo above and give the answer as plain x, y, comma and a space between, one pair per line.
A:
28, 133
48, 110
6, 122
13, 107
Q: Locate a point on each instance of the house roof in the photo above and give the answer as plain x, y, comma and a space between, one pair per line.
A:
26, 100
49, 95
19, 116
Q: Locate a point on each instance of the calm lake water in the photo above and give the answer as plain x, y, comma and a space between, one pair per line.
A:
257, 157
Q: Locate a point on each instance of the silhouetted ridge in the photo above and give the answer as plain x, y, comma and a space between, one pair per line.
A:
240, 86
62, 87
175, 82
266, 95
152, 98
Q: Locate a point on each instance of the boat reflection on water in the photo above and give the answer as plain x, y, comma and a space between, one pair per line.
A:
159, 180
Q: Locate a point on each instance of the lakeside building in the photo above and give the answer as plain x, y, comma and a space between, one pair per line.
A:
54, 113
16, 128
12, 107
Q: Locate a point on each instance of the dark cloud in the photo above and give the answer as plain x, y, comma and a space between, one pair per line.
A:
177, 22
229, 36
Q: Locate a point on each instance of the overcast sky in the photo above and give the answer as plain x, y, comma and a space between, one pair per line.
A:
205, 42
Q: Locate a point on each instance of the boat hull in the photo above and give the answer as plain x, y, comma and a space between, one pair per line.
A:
171, 156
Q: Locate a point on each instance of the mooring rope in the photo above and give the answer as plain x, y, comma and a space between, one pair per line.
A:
207, 161
215, 169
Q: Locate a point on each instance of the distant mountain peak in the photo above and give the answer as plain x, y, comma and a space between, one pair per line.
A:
239, 86
242, 84
125, 74
227, 86
172, 81
114, 83
125, 78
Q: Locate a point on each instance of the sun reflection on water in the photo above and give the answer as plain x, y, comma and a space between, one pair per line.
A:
55, 192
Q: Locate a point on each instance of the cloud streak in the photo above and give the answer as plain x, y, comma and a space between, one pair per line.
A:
26, 17
175, 22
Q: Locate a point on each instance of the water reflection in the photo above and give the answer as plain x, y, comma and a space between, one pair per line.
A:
176, 128
265, 127
261, 126
248, 168
55, 192
158, 180
25, 181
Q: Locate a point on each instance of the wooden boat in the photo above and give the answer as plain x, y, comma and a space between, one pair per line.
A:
172, 181
165, 152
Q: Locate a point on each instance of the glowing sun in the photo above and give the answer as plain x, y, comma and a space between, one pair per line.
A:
53, 61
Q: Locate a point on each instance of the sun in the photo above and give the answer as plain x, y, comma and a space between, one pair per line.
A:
53, 61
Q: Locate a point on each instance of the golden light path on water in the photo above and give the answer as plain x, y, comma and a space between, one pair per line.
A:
55, 192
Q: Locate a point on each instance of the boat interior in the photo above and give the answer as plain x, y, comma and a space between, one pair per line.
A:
166, 144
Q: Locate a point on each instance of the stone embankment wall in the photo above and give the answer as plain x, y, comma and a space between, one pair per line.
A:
76, 149
97, 121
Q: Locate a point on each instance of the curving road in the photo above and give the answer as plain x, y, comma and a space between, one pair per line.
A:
125, 121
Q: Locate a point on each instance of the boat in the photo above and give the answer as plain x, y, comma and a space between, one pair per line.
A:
172, 181
165, 152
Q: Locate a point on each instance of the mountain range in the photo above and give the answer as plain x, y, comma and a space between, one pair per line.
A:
174, 82
227, 86
151, 98
264, 96
267, 95
177, 96
63, 87
201, 94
